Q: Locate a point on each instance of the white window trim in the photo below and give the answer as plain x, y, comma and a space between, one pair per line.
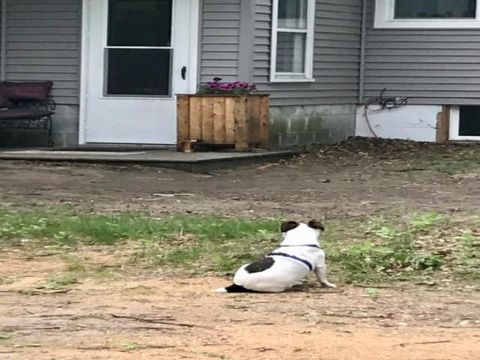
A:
384, 18
306, 76
455, 126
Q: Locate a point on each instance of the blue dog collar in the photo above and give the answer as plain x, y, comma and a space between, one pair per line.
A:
303, 261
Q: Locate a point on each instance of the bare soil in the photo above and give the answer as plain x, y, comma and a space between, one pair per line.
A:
152, 315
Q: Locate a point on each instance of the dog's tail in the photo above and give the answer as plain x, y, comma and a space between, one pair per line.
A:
234, 288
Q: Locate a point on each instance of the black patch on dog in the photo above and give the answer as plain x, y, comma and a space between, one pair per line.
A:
260, 265
288, 225
234, 288
315, 224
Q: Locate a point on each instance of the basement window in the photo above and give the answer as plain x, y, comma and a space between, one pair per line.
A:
458, 14
465, 123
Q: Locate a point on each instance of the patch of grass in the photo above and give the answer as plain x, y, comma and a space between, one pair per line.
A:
130, 346
214, 355
62, 281
67, 226
4, 336
414, 246
373, 293
368, 250
77, 269
450, 160
427, 221
468, 258
210, 244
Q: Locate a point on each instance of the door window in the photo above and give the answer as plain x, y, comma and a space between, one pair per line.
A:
138, 54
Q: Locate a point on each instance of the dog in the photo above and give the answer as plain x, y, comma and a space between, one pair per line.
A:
298, 254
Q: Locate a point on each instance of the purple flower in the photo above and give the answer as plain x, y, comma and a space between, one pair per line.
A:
215, 86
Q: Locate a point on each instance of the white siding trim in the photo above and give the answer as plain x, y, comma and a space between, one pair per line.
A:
194, 56
307, 76
82, 123
384, 19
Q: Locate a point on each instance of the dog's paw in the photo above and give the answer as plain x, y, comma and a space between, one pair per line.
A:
220, 290
330, 285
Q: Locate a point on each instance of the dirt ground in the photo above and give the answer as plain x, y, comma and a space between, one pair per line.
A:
155, 316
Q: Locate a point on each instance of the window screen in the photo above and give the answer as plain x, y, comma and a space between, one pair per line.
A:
139, 50
469, 121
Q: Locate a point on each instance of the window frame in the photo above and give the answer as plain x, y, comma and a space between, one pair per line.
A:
385, 11
307, 75
454, 128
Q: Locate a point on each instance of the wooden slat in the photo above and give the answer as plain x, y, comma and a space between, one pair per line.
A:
207, 119
443, 125
219, 124
264, 120
241, 124
183, 120
230, 120
195, 118
252, 116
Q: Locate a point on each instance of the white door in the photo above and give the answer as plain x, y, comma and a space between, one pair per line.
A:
137, 55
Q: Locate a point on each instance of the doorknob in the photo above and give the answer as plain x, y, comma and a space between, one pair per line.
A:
184, 72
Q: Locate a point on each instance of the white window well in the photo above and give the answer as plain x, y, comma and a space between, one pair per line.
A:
293, 24
465, 122
427, 14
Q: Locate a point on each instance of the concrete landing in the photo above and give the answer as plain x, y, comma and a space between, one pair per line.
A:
167, 158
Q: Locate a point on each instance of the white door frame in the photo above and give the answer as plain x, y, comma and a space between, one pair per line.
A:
192, 61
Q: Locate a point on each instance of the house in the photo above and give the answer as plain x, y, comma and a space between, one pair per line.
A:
426, 55
118, 64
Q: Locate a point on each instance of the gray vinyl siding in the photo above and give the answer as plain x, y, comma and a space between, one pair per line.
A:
219, 39
43, 43
336, 56
1, 50
430, 66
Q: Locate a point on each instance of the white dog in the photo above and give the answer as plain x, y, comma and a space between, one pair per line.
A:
298, 254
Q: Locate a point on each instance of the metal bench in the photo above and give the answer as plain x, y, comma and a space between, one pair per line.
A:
27, 105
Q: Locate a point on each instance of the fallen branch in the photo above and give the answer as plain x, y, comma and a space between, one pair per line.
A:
388, 316
53, 315
149, 328
157, 346
425, 343
94, 348
378, 286
153, 321
406, 169
40, 292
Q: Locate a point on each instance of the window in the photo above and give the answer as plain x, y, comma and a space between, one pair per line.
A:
292, 40
138, 54
427, 14
465, 122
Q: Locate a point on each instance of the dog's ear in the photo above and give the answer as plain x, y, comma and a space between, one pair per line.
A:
288, 225
315, 224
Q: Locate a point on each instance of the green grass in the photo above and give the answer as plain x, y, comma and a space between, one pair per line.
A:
369, 250
467, 260
61, 281
416, 246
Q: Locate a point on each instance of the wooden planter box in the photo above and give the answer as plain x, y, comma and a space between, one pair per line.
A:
239, 120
